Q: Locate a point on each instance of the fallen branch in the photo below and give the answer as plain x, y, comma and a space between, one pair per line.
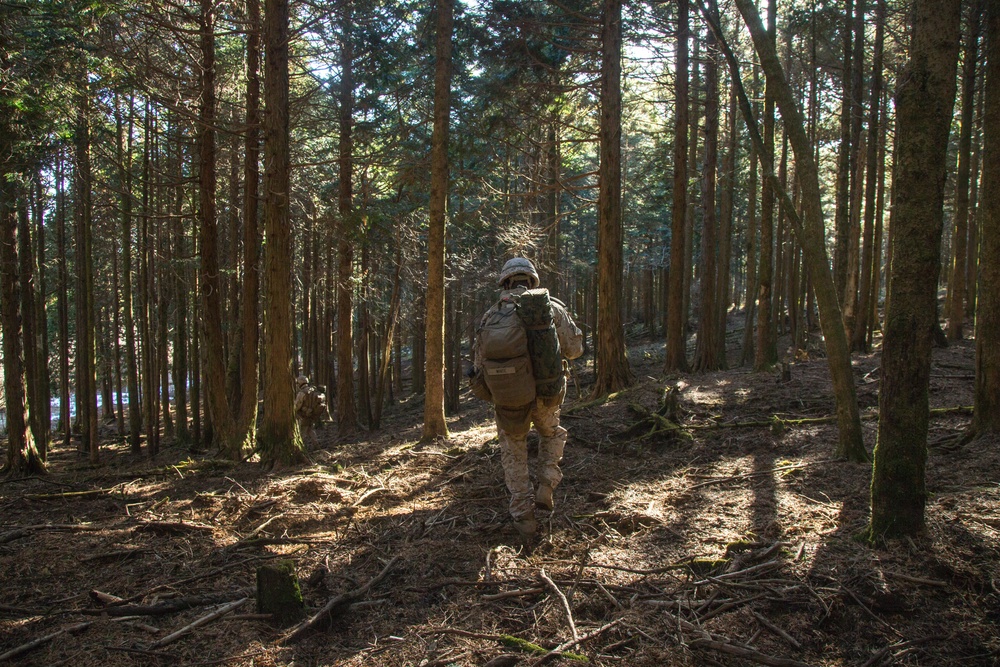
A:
204, 620
565, 603
558, 651
67, 494
24, 531
326, 613
168, 606
24, 648
513, 594
915, 580
776, 630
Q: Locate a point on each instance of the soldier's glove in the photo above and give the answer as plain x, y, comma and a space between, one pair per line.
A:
470, 372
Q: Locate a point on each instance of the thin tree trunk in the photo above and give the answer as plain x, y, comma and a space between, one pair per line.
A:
766, 349
86, 381
347, 421
676, 358
62, 280
986, 414
434, 419
870, 253
956, 284
250, 290
707, 345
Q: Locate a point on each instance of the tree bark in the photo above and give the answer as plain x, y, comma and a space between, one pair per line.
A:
347, 421
434, 418
870, 254
250, 288
676, 355
707, 345
223, 425
23, 456
956, 284
279, 441
924, 102
86, 381
986, 413
766, 349
613, 371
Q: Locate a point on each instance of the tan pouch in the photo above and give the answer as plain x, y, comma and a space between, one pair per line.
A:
477, 383
510, 381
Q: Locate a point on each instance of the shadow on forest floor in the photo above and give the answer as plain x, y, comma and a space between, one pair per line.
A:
736, 544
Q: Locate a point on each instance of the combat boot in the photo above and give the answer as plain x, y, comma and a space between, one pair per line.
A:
526, 526
543, 497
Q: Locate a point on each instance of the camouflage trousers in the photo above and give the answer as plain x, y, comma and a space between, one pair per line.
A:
512, 428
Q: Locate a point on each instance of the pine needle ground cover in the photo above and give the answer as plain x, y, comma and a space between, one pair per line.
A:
738, 545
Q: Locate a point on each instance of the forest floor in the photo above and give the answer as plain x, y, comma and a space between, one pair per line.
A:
734, 544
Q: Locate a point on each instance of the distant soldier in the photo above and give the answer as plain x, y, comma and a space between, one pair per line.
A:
520, 347
310, 407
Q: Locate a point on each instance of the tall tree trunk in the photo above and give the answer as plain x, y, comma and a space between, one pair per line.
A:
131, 363
750, 300
613, 371
857, 167
842, 222
707, 345
986, 414
676, 355
870, 254
31, 348
86, 381
434, 419
250, 289
766, 350
347, 421
62, 286
956, 284
279, 441
924, 101
726, 211
44, 400
23, 456
811, 233
223, 426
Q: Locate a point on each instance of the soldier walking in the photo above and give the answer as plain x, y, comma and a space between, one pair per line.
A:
527, 387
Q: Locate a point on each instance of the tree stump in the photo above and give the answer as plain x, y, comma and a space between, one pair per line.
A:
278, 592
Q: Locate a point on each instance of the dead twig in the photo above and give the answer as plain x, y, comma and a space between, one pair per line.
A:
557, 651
565, 603
776, 630
168, 606
35, 643
204, 620
332, 604
524, 592
915, 580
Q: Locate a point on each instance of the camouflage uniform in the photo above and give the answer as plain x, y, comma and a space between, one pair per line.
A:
513, 425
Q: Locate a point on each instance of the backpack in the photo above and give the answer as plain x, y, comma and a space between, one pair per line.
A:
520, 350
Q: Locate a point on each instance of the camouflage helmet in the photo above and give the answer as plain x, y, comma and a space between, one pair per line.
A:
301, 381
518, 266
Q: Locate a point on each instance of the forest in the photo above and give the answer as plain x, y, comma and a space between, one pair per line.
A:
245, 252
